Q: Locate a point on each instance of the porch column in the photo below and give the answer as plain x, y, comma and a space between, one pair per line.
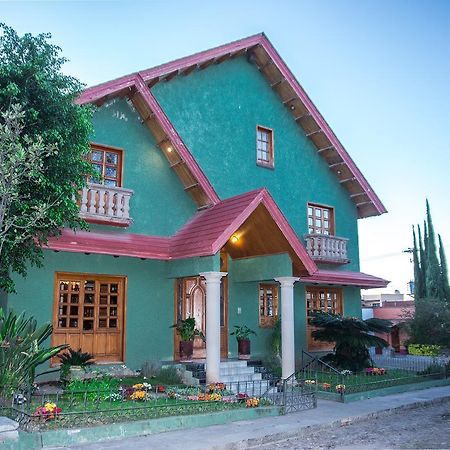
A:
287, 325
212, 280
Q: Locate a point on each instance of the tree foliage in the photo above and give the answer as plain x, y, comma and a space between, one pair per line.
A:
43, 146
430, 323
430, 271
351, 336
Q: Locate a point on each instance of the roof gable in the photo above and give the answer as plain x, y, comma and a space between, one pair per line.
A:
260, 52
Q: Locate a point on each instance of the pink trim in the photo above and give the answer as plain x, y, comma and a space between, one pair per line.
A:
176, 140
115, 244
285, 71
345, 278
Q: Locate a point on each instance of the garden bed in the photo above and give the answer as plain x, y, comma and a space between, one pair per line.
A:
121, 403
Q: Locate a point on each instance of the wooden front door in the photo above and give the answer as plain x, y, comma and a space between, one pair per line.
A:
327, 300
190, 301
88, 313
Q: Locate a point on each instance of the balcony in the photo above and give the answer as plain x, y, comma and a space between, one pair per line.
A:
106, 205
327, 249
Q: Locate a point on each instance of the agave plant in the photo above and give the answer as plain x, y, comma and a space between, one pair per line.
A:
351, 337
21, 351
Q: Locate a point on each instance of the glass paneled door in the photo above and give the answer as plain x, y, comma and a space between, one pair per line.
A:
88, 314
190, 301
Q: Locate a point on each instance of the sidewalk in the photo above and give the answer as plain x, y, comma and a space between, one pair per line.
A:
247, 434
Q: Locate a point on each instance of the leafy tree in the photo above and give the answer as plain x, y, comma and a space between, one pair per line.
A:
351, 337
43, 144
432, 273
430, 323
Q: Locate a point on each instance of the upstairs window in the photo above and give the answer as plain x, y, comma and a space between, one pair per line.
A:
264, 147
320, 219
268, 305
107, 163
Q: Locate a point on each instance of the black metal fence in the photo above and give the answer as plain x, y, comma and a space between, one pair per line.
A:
335, 384
65, 409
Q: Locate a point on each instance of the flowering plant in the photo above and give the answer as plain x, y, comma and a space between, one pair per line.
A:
340, 388
47, 412
138, 395
326, 385
161, 388
241, 397
216, 387
310, 382
375, 371
346, 372
252, 402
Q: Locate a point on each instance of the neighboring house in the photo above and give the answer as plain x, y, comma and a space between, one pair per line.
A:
396, 308
224, 196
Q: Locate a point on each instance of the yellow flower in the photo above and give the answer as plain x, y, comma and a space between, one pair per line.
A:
50, 407
138, 395
138, 386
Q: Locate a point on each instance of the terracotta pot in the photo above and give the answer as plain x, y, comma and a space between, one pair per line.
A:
244, 348
186, 350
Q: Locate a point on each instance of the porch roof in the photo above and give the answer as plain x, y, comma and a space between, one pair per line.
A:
345, 278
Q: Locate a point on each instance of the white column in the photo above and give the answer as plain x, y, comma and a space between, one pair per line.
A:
287, 325
212, 324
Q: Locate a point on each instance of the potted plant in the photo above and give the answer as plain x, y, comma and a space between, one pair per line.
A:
242, 333
74, 363
187, 332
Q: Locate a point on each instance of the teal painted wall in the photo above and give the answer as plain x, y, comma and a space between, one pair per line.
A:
149, 307
216, 111
188, 267
159, 205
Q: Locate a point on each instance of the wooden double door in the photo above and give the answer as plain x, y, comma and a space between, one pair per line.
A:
88, 313
190, 301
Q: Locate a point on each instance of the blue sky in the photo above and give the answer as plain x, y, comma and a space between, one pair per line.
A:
378, 71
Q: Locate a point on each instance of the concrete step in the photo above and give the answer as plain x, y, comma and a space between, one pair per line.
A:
251, 388
243, 378
236, 371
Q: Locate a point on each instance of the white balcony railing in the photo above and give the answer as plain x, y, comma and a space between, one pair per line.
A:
106, 204
327, 249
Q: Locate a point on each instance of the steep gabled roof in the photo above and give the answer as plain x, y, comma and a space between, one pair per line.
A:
211, 229
260, 52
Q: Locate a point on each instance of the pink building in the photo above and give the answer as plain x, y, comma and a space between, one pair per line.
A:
393, 307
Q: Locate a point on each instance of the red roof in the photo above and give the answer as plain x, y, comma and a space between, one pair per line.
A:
204, 235
345, 278
139, 80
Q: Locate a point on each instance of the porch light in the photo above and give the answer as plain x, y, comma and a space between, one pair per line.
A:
169, 149
234, 239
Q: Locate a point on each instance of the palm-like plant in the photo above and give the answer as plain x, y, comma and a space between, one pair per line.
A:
21, 351
351, 336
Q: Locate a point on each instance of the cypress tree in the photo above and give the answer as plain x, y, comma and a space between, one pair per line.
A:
432, 272
444, 284
422, 261
418, 279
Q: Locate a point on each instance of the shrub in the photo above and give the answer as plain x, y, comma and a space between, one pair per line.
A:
151, 369
74, 358
424, 349
169, 375
21, 350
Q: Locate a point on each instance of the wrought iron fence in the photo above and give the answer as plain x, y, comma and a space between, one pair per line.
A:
335, 384
65, 409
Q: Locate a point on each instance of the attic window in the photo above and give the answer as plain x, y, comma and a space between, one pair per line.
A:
264, 147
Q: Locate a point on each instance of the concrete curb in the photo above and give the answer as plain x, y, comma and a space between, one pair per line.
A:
313, 429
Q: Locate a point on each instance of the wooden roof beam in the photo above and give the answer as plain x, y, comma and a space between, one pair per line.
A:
277, 83
324, 149
176, 164
363, 203
191, 186
358, 194
337, 164
289, 100
346, 180
314, 132
302, 116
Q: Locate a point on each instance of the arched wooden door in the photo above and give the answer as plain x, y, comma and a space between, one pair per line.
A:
190, 301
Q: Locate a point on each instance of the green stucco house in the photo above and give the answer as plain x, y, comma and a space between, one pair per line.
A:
222, 195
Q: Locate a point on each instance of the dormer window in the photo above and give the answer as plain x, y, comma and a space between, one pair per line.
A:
320, 219
107, 163
264, 147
